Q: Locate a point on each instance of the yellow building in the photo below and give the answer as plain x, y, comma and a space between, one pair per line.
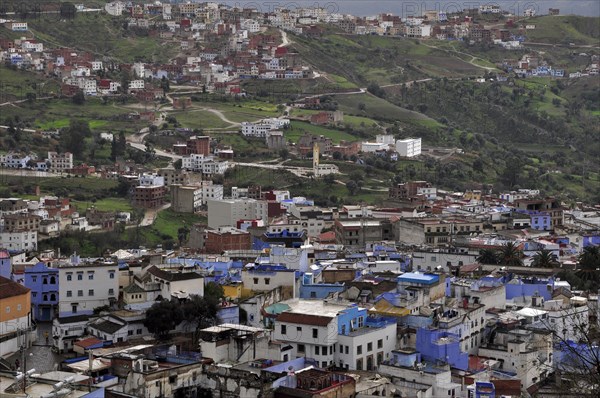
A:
472, 195
232, 291
15, 316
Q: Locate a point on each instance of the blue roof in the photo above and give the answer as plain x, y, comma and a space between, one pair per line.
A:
99, 393
416, 277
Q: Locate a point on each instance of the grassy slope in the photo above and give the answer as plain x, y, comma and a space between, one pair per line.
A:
107, 38
385, 60
564, 29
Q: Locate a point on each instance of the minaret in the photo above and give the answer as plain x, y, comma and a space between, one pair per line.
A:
316, 159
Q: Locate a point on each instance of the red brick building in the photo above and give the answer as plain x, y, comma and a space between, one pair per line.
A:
194, 145
218, 241
149, 196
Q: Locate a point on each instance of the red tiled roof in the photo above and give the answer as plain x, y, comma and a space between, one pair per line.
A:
4, 254
10, 288
304, 319
88, 342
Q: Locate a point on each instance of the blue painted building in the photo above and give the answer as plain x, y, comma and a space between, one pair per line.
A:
43, 282
311, 290
528, 287
441, 346
539, 220
591, 240
5, 265
229, 314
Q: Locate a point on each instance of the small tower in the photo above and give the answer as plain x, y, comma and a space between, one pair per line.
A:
316, 159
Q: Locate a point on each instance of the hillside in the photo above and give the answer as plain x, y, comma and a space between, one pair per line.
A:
385, 60
565, 30
102, 35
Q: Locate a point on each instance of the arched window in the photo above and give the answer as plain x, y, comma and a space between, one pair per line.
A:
52, 280
52, 297
45, 297
45, 282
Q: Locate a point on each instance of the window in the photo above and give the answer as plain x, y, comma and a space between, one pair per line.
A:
315, 333
80, 293
346, 350
45, 281
111, 275
283, 329
52, 280
267, 281
111, 292
255, 281
91, 292
324, 364
299, 329
369, 346
380, 343
360, 321
341, 349
74, 309
130, 333
8, 309
313, 294
69, 277
91, 276
79, 277
138, 331
317, 350
69, 293
34, 279
52, 297
359, 350
301, 348
18, 307
33, 294
359, 364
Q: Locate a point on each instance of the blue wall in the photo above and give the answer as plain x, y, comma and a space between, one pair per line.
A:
591, 240
348, 315
448, 352
5, 266
44, 293
229, 314
528, 288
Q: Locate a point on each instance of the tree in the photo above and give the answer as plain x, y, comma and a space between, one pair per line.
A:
78, 98
72, 138
510, 254
374, 89
545, 259
488, 256
178, 164
352, 187
163, 317
201, 310
589, 264
337, 155
361, 106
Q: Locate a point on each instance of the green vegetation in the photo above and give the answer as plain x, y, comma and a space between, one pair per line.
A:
564, 30
106, 204
109, 36
382, 59
297, 129
168, 222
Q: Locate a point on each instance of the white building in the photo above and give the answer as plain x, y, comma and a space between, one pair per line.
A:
14, 161
207, 165
409, 147
335, 333
136, 84
83, 287
151, 180
250, 25
60, 162
227, 212
260, 129
370, 147
418, 31
177, 284
19, 241
387, 139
